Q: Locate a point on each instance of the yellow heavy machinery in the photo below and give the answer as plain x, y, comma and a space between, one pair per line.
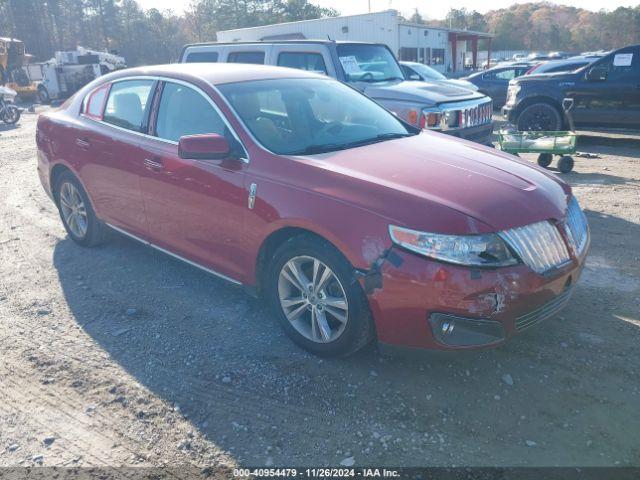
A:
12, 58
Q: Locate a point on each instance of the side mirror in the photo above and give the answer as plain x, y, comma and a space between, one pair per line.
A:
208, 146
597, 74
414, 76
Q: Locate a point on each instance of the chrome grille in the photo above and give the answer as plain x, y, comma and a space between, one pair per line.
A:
539, 245
477, 115
547, 310
576, 227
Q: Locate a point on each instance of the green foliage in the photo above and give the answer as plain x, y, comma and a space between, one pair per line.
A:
142, 37
153, 36
545, 26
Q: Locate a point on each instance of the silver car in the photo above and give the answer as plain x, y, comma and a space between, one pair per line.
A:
424, 73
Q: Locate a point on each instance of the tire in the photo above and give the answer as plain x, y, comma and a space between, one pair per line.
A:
11, 115
94, 232
544, 159
43, 95
342, 289
565, 164
539, 117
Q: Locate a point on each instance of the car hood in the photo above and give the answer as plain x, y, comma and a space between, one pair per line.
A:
435, 183
430, 93
463, 83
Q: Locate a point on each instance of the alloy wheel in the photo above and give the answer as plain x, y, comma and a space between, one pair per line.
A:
73, 209
313, 299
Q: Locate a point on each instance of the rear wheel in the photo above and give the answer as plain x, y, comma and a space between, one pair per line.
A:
565, 164
314, 293
544, 159
539, 117
76, 212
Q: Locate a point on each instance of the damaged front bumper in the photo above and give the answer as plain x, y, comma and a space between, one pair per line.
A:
427, 304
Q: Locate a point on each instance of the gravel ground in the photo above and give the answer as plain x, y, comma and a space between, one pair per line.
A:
121, 356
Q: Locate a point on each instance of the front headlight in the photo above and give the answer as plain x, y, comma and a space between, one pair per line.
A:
487, 250
512, 93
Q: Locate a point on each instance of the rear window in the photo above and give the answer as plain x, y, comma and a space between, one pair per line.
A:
246, 57
202, 57
94, 102
127, 104
312, 62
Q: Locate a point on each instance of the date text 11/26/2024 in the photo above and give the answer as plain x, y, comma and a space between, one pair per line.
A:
315, 473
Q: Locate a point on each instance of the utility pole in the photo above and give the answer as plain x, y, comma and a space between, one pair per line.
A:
369, 6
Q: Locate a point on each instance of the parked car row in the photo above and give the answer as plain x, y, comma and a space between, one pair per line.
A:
605, 93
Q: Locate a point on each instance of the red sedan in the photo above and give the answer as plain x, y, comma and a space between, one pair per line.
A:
352, 224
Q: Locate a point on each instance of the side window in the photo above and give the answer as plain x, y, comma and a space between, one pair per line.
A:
506, 74
202, 57
127, 104
184, 111
94, 102
246, 57
312, 62
622, 65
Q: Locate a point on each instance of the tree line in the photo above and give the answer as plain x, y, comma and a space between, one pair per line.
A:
141, 36
154, 36
545, 26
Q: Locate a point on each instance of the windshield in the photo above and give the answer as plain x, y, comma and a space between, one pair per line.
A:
310, 116
368, 63
427, 72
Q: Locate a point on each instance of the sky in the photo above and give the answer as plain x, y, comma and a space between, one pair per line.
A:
432, 10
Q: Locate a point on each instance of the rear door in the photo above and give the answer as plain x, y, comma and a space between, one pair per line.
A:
195, 208
118, 117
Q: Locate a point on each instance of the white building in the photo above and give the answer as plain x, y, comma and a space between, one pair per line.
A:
443, 49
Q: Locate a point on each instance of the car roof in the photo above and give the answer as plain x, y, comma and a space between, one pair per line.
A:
280, 42
216, 73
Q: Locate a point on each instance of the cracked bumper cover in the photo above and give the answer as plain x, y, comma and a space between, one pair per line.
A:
420, 294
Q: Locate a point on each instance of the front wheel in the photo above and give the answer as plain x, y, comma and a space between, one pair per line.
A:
43, 95
11, 115
317, 299
539, 117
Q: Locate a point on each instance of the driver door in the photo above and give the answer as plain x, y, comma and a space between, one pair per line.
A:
608, 92
195, 208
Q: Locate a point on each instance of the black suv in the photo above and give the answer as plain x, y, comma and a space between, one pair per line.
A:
606, 94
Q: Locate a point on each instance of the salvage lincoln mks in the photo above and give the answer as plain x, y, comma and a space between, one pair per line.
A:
352, 224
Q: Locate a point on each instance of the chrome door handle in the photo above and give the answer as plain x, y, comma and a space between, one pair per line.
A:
153, 164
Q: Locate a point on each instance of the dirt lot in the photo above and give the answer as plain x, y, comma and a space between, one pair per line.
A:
123, 356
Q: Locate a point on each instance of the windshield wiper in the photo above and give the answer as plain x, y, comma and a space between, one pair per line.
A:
333, 147
315, 149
